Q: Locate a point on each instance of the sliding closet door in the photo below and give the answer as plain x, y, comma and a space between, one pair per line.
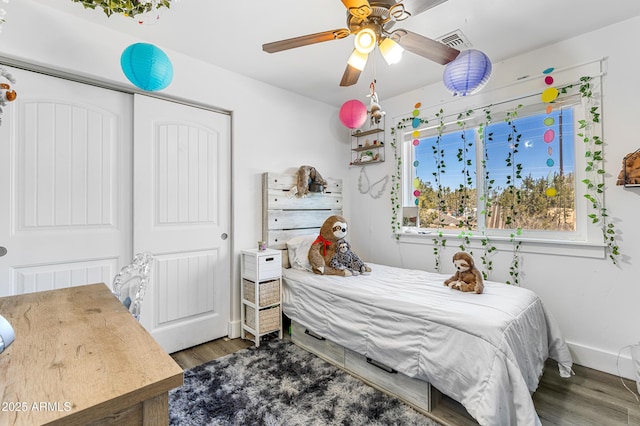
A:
182, 215
65, 184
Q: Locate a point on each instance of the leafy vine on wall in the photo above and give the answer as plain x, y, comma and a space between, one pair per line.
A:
396, 183
589, 131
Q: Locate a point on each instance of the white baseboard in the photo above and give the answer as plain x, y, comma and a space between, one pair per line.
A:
601, 360
234, 329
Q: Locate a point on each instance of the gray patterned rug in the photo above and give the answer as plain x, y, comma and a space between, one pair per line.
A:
281, 384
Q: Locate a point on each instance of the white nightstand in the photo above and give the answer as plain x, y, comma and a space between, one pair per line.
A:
261, 293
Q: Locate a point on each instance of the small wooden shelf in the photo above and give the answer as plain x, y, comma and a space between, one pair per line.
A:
367, 132
367, 148
368, 151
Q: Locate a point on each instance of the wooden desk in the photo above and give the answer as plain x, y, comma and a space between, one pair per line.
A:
81, 358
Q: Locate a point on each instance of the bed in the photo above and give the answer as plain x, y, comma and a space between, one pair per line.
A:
405, 332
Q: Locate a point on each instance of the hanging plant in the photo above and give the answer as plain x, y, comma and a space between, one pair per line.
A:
438, 154
396, 182
595, 170
486, 198
464, 210
514, 197
514, 267
129, 8
514, 194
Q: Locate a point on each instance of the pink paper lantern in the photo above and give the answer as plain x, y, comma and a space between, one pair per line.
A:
353, 114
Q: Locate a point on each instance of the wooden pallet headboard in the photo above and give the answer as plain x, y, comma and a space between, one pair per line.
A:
285, 215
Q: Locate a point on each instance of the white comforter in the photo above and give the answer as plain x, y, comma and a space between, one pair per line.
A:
486, 351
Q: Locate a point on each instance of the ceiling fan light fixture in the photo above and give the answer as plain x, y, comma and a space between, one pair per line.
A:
358, 60
391, 51
365, 40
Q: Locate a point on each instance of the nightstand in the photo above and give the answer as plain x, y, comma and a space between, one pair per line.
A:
261, 293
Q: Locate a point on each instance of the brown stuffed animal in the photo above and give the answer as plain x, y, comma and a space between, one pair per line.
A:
467, 277
308, 179
630, 170
325, 246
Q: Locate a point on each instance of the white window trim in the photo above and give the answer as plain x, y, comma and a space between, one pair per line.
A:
586, 241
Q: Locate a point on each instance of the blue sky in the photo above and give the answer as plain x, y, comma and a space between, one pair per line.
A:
538, 157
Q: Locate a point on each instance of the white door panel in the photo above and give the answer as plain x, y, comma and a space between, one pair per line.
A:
65, 184
181, 212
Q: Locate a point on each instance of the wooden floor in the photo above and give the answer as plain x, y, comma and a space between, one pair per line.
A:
588, 398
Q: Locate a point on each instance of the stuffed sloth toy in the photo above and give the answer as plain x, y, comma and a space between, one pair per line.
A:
347, 259
325, 247
308, 179
467, 277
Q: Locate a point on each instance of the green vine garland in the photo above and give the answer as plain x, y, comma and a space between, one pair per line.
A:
588, 131
396, 184
129, 8
595, 171
487, 245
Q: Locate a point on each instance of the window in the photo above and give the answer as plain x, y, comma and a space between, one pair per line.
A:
498, 169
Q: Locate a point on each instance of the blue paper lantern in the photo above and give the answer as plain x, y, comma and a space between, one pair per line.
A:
468, 73
146, 66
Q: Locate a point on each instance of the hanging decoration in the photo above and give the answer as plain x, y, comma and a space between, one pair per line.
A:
353, 114
129, 8
7, 94
548, 96
415, 123
468, 73
147, 66
375, 189
375, 110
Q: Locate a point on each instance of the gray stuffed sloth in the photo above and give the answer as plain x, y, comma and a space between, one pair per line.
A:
345, 258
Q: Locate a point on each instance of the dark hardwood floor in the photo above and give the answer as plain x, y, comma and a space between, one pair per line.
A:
589, 398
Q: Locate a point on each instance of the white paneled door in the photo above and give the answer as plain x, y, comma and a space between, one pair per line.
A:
65, 184
182, 215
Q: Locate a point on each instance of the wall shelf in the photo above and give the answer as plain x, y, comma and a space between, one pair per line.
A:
367, 146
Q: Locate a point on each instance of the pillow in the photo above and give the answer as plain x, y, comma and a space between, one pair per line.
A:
298, 248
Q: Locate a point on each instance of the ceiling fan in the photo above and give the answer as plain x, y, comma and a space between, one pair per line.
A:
371, 23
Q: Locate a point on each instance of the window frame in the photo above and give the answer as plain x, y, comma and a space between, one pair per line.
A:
585, 240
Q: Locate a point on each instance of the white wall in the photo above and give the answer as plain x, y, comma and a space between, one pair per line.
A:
273, 130
595, 302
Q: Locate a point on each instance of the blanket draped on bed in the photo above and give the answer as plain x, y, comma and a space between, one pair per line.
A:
486, 351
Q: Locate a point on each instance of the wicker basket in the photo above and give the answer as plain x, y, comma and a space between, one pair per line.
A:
269, 319
269, 292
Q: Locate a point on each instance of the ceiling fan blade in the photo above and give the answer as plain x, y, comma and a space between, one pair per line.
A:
415, 7
350, 76
358, 8
291, 43
425, 47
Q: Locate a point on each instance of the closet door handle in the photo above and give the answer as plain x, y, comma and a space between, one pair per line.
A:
3, 251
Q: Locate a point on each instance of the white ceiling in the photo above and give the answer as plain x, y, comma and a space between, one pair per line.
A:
230, 34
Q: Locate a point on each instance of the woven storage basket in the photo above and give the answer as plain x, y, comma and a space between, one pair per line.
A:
269, 292
269, 318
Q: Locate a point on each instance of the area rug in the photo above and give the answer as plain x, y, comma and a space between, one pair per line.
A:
281, 384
